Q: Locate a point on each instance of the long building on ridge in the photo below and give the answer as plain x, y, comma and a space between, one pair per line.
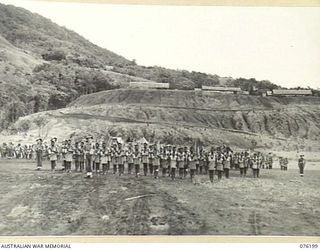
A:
148, 85
222, 89
291, 92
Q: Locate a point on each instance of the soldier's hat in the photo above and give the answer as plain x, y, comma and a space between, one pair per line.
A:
39, 139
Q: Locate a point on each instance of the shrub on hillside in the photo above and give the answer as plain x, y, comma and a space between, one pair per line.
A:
55, 55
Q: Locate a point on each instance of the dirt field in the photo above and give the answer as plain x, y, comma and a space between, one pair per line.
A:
45, 203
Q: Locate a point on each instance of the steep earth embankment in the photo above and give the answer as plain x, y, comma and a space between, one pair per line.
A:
187, 116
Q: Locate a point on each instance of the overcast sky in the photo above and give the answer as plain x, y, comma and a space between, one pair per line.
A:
278, 44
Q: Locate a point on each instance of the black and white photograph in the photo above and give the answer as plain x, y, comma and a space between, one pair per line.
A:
159, 120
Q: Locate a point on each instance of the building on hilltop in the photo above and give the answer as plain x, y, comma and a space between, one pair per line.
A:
148, 85
292, 92
222, 89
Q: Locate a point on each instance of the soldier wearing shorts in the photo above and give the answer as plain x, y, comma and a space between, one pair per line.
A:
219, 166
226, 165
53, 152
136, 161
212, 166
173, 165
39, 153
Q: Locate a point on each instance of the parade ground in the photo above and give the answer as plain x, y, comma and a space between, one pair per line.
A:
58, 203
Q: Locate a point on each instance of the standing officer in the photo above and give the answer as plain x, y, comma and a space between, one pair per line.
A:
301, 165
39, 152
53, 151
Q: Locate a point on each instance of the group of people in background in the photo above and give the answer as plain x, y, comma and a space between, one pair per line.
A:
116, 157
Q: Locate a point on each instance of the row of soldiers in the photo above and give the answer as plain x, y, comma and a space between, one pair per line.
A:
19, 151
93, 157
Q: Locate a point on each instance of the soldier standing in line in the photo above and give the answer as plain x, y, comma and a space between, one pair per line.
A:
236, 161
97, 157
226, 165
255, 166
180, 163
270, 161
197, 158
220, 166
63, 154
88, 152
206, 163
136, 161
39, 153
301, 165
113, 155
192, 165
69, 156
281, 163
76, 156
164, 163
145, 158
156, 164
81, 156
247, 164
104, 158
29, 152
242, 166
173, 165
53, 151
123, 161
151, 157
212, 165
201, 162
186, 162
130, 161
285, 163
260, 163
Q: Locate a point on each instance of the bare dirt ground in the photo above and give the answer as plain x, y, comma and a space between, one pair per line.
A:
45, 203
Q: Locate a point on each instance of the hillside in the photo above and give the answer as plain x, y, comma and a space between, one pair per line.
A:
177, 116
44, 66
